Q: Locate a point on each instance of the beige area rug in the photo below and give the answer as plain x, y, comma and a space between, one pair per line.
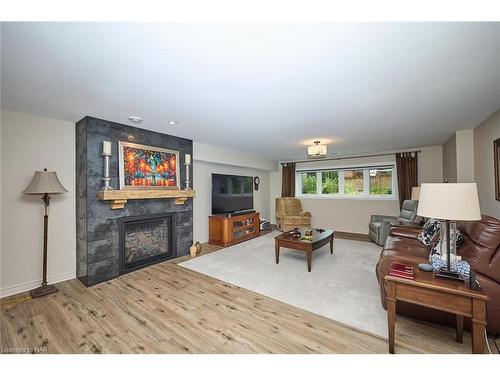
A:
342, 286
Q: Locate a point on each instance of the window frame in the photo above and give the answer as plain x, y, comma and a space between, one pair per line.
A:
341, 194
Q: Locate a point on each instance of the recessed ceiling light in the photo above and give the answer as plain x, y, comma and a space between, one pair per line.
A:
135, 119
172, 122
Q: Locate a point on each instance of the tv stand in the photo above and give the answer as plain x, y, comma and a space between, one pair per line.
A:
229, 230
239, 213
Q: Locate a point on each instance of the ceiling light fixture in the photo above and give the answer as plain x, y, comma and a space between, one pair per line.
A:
317, 150
135, 119
172, 122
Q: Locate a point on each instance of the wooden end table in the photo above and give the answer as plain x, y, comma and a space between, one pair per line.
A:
445, 295
320, 238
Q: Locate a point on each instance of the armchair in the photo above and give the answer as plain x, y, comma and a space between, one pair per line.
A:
380, 225
289, 214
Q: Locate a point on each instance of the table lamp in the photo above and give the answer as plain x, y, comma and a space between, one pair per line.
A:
45, 183
449, 203
415, 193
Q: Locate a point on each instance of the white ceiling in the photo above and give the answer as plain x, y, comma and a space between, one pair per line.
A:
263, 88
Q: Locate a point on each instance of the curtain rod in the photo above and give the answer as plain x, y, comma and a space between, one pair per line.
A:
345, 157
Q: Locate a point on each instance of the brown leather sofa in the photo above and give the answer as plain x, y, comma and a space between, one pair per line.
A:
481, 249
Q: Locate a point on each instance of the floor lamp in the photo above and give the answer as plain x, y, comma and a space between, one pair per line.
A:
449, 203
44, 183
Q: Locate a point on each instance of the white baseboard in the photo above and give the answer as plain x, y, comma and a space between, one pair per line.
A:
24, 287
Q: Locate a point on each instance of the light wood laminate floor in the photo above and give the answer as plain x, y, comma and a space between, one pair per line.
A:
169, 309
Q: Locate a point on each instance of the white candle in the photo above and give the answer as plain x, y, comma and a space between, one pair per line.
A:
106, 147
187, 159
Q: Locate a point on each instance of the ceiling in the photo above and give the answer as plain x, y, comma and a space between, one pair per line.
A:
263, 88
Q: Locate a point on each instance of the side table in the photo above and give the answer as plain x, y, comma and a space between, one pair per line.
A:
446, 295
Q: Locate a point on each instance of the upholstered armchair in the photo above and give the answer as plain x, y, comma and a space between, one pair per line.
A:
380, 225
289, 214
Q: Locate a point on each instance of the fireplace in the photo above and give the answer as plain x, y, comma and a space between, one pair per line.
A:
100, 229
146, 239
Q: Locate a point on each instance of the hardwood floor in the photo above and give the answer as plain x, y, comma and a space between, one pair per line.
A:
169, 309
352, 236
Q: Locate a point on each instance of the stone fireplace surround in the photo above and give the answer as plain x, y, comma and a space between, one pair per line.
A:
98, 226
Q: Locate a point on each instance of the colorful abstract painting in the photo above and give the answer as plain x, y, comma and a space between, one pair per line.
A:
147, 167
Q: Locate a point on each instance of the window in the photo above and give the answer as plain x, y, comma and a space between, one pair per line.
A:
359, 182
308, 183
381, 181
353, 182
330, 182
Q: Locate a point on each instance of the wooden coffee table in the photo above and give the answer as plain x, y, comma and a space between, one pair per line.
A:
320, 238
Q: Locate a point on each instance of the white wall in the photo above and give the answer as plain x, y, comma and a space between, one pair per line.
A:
32, 143
1, 174
450, 159
202, 204
353, 215
215, 159
430, 164
227, 156
484, 135
465, 155
275, 191
458, 157
1, 196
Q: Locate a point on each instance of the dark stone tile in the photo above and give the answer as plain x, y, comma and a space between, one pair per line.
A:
82, 278
183, 248
81, 159
81, 258
100, 230
98, 251
184, 218
97, 223
184, 233
102, 271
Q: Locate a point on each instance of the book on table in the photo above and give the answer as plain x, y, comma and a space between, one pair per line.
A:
402, 270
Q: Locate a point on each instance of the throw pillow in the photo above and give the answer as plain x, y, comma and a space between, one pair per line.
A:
429, 230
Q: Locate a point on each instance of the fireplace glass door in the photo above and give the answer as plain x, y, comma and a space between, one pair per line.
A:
145, 240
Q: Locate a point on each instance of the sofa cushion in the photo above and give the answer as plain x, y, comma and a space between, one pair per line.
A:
482, 246
406, 247
406, 231
290, 218
485, 232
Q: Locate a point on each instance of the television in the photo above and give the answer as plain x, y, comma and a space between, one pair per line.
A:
231, 193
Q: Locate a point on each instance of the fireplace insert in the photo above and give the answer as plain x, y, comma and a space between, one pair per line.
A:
146, 240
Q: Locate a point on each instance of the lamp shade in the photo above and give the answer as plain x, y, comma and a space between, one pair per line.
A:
449, 201
45, 182
415, 193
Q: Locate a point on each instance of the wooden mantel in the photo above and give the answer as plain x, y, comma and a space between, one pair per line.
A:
118, 198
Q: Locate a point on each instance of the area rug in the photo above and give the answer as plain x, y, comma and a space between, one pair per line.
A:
342, 286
